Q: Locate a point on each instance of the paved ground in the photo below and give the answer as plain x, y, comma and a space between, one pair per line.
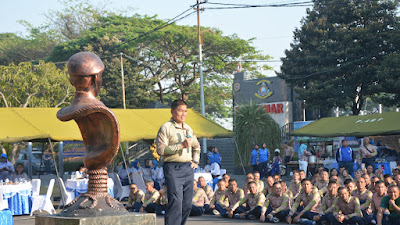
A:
201, 220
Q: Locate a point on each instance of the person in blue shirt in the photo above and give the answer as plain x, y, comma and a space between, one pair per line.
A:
216, 156
210, 155
345, 157
254, 158
263, 160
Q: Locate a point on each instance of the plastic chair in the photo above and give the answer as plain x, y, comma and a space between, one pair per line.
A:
3, 203
122, 191
66, 196
36, 186
43, 202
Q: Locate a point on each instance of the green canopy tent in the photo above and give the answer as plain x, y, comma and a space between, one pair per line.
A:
353, 126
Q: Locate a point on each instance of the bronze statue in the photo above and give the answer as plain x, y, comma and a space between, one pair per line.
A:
100, 132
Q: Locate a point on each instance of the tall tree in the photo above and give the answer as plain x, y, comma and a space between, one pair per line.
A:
165, 60
334, 57
253, 125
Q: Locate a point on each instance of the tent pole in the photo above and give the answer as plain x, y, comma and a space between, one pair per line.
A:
126, 166
29, 149
61, 158
240, 157
41, 160
55, 165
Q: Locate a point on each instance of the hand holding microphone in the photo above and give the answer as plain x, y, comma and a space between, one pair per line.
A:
187, 142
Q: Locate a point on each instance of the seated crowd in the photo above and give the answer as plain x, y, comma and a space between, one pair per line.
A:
328, 197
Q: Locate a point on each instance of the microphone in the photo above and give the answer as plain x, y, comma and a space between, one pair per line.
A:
188, 136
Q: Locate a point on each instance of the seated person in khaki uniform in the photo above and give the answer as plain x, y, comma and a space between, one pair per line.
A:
276, 206
136, 198
199, 200
254, 201
233, 194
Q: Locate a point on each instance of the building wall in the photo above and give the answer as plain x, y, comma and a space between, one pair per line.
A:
272, 92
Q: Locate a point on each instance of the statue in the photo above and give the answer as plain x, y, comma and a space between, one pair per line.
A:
100, 132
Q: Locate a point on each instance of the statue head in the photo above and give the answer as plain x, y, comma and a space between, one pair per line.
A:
85, 69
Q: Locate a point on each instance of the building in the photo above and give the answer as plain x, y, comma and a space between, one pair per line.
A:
278, 99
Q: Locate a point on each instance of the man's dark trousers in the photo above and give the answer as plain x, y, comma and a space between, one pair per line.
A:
179, 180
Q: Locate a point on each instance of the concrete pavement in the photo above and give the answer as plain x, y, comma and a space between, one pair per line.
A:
199, 220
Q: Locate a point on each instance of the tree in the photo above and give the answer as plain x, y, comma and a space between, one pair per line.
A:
163, 63
28, 85
389, 82
75, 18
335, 54
253, 125
15, 49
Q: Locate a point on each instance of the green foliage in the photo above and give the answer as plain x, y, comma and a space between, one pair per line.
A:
389, 82
252, 125
163, 65
28, 85
15, 49
335, 54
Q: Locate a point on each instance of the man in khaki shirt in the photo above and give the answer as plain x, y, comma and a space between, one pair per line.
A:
136, 198
233, 194
322, 184
216, 198
254, 201
150, 198
310, 199
328, 204
198, 201
276, 206
367, 153
180, 151
347, 209
381, 191
365, 197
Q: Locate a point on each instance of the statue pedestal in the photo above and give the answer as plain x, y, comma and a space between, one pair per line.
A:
128, 218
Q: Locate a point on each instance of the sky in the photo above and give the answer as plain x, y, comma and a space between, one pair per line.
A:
271, 26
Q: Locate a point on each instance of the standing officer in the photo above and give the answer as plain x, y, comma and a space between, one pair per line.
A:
180, 150
345, 157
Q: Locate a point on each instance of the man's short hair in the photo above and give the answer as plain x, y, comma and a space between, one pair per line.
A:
386, 176
177, 103
342, 188
221, 180
232, 180
393, 186
379, 182
333, 181
275, 183
348, 181
305, 179
325, 169
251, 182
344, 140
150, 182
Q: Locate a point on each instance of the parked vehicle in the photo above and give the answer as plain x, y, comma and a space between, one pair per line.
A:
37, 162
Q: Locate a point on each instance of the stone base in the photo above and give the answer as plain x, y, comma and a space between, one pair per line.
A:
128, 218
